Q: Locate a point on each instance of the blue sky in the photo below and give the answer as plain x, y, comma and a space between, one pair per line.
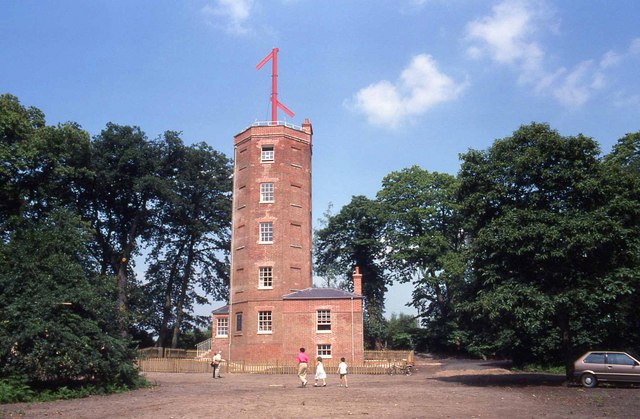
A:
386, 84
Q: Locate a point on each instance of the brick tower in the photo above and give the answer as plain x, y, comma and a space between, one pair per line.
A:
271, 239
273, 308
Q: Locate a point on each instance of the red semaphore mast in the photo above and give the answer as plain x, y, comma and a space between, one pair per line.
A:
275, 104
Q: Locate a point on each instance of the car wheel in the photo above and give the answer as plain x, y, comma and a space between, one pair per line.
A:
588, 380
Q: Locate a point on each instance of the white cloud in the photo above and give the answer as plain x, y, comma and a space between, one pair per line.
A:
231, 15
610, 59
505, 36
624, 97
420, 87
575, 87
572, 87
504, 32
508, 37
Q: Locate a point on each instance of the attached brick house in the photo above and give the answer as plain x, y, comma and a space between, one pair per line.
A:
273, 308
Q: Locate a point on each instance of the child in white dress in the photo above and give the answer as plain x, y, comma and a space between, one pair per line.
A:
320, 373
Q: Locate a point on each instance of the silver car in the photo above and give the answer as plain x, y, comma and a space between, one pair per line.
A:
596, 366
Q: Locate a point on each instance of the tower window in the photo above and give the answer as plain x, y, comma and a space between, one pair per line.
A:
266, 232
265, 277
323, 320
222, 327
324, 351
266, 154
238, 322
264, 322
266, 192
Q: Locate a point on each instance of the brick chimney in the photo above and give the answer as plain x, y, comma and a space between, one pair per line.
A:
357, 281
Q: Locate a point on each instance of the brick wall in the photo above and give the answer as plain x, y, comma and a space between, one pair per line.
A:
294, 326
289, 255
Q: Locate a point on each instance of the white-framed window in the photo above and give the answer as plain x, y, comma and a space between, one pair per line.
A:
265, 277
222, 327
266, 192
239, 322
324, 350
266, 232
323, 320
266, 153
264, 322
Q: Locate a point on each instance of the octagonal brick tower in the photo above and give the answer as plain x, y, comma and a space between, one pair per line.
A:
271, 236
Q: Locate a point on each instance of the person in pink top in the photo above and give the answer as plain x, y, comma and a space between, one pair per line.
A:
303, 364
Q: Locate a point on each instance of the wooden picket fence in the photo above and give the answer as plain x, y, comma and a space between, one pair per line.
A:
178, 365
156, 352
181, 360
173, 365
389, 356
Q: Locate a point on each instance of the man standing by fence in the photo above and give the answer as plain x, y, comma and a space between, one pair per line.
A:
303, 363
217, 359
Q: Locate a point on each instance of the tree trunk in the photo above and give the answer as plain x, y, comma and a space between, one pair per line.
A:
183, 294
166, 309
565, 342
121, 276
121, 284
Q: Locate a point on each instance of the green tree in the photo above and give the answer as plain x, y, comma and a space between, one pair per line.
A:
121, 203
42, 166
543, 246
17, 125
622, 177
57, 316
190, 338
192, 243
401, 331
425, 245
353, 237
626, 154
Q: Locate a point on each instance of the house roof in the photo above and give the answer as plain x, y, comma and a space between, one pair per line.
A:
320, 294
307, 294
221, 310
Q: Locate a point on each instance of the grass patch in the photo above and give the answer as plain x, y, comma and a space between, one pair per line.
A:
545, 369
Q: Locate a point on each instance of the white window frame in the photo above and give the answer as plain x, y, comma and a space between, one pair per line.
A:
265, 322
222, 327
267, 192
324, 350
267, 153
265, 277
323, 321
266, 232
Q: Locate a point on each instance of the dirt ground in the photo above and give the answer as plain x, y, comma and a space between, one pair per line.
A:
438, 389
